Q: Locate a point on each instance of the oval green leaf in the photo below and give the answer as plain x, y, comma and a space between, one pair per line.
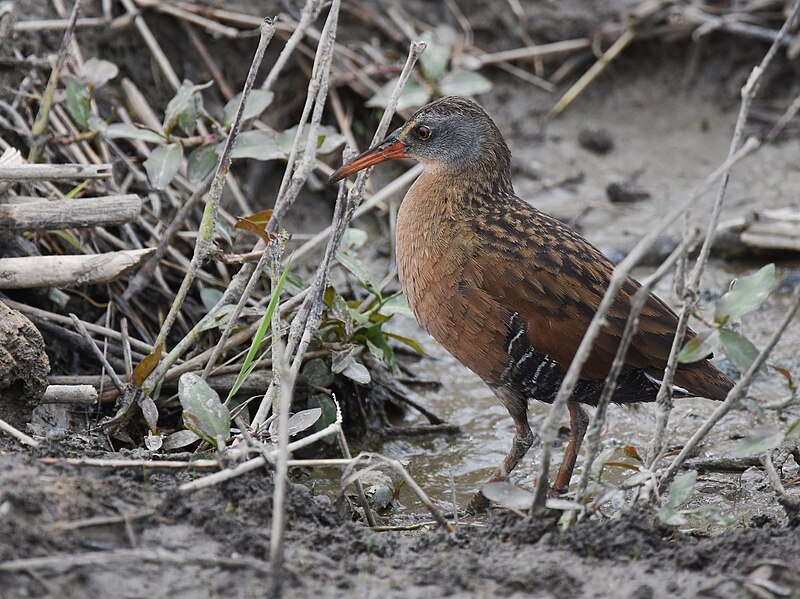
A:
203, 412
738, 348
79, 102
412, 96
200, 163
464, 83
699, 348
184, 106
97, 72
126, 131
747, 294
162, 165
260, 145
257, 102
358, 373
681, 488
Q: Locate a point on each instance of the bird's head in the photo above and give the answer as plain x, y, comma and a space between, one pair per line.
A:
451, 134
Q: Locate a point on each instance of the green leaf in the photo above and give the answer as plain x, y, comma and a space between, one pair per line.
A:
184, 107
376, 351
356, 267
203, 412
318, 373
223, 230
180, 439
637, 479
260, 145
126, 131
210, 297
413, 95
358, 373
341, 312
671, 516
738, 348
761, 440
681, 488
699, 348
433, 62
413, 344
712, 512
747, 294
377, 338
353, 239
79, 102
295, 284
70, 239
163, 163
396, 304
97, 72
250, 361
257, 102
298, 422
341, 360
600, 461
328, 417
464, 83
200, 162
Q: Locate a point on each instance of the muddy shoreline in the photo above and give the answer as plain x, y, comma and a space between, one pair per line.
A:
111, 529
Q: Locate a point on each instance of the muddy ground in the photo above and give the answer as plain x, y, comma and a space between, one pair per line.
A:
125, 533
130, 533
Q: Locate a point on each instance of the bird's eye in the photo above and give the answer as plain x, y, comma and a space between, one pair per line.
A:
423, 132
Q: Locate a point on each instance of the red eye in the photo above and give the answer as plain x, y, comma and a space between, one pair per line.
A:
423, 132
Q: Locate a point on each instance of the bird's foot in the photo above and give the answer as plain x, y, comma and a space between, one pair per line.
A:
478, 504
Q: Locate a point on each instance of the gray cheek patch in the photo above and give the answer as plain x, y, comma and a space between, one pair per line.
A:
463, 142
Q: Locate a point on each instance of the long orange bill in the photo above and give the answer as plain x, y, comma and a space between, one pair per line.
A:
390, 148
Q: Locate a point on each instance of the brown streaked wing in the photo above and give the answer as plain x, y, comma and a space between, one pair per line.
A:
559, 292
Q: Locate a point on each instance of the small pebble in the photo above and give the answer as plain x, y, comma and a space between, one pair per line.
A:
753, 477
598, 141
626, 192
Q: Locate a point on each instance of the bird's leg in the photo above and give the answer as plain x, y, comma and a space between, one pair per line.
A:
578, 423
523, 439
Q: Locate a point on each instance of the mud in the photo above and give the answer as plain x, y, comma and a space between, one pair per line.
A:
147, 540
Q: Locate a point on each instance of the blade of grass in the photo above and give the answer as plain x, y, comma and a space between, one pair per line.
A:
250, 362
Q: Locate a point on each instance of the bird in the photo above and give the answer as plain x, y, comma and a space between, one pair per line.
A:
508, 290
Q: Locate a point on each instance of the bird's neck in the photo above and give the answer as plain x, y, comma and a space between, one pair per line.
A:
463, 190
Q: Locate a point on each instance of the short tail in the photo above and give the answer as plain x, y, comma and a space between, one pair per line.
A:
703, 379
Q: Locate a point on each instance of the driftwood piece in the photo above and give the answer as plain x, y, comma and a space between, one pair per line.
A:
62, 214
83, 395
68, 271
54, 172
256, 383
767, 230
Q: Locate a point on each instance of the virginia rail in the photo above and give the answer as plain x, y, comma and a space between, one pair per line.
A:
509, 290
